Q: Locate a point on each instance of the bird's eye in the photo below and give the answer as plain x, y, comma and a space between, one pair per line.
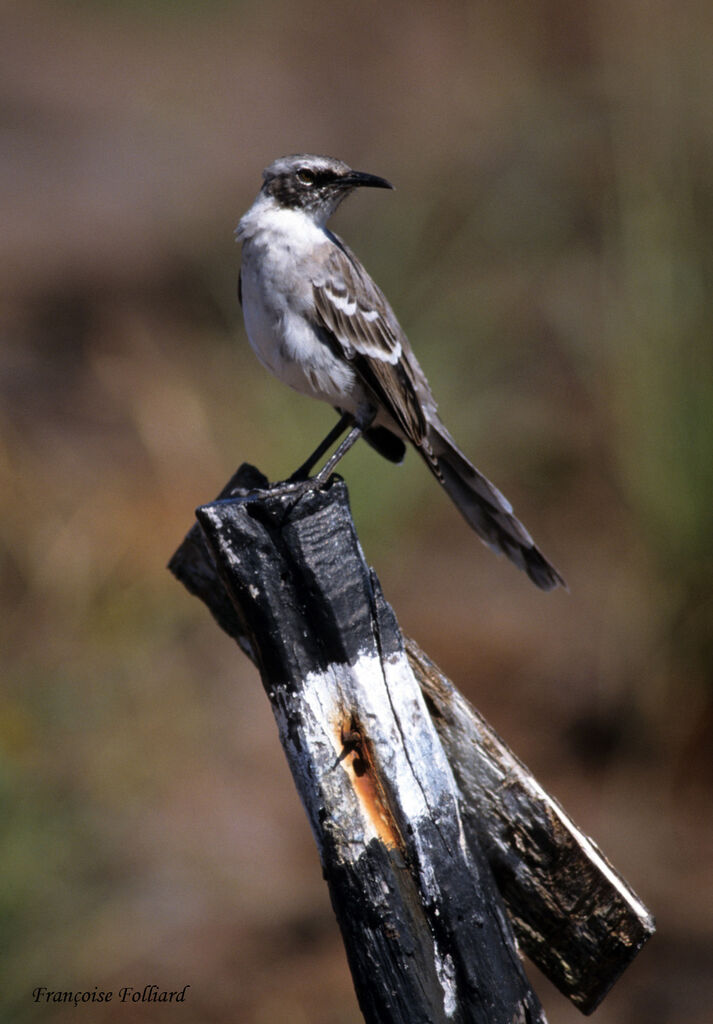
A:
306, 176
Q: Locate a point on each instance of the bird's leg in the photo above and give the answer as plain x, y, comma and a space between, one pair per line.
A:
300, 480
349, 441
365, 418
336, 432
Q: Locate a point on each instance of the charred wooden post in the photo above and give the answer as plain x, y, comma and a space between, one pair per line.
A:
424, 930
424, 927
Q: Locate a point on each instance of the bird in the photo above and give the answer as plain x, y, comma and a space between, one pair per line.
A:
316, 319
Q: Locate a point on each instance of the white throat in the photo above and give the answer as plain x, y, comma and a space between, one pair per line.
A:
266, 214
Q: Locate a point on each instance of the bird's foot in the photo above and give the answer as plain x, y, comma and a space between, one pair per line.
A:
292, 487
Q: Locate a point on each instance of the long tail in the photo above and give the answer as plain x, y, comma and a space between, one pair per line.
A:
486, 509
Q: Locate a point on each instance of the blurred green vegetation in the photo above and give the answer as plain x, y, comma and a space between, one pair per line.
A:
548, 252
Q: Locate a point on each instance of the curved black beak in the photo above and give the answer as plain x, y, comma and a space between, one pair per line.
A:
356, 179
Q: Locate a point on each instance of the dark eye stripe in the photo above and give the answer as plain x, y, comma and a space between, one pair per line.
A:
311, 177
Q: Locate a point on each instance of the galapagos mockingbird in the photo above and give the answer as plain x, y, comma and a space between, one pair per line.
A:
316, 319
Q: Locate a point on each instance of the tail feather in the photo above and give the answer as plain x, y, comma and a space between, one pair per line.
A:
488, 511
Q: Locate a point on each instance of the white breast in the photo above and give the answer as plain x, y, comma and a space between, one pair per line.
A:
279, 249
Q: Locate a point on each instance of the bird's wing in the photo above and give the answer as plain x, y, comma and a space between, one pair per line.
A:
360, 321
357, 320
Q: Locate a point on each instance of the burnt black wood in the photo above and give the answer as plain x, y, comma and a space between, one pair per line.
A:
426, 907
574, 916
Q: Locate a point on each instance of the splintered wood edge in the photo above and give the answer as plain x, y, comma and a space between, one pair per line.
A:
573, 913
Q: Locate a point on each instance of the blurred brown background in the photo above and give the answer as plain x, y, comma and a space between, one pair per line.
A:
549, 253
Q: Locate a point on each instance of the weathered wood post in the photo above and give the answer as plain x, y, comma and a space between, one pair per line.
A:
408, 842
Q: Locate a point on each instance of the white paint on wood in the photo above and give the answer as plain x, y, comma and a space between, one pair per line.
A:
446, 972
405, 745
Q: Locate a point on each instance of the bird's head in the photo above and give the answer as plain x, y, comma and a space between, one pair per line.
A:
315, 184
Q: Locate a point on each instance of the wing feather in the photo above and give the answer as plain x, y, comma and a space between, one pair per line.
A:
359, 318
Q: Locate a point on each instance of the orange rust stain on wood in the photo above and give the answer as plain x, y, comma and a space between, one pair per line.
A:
357, 759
